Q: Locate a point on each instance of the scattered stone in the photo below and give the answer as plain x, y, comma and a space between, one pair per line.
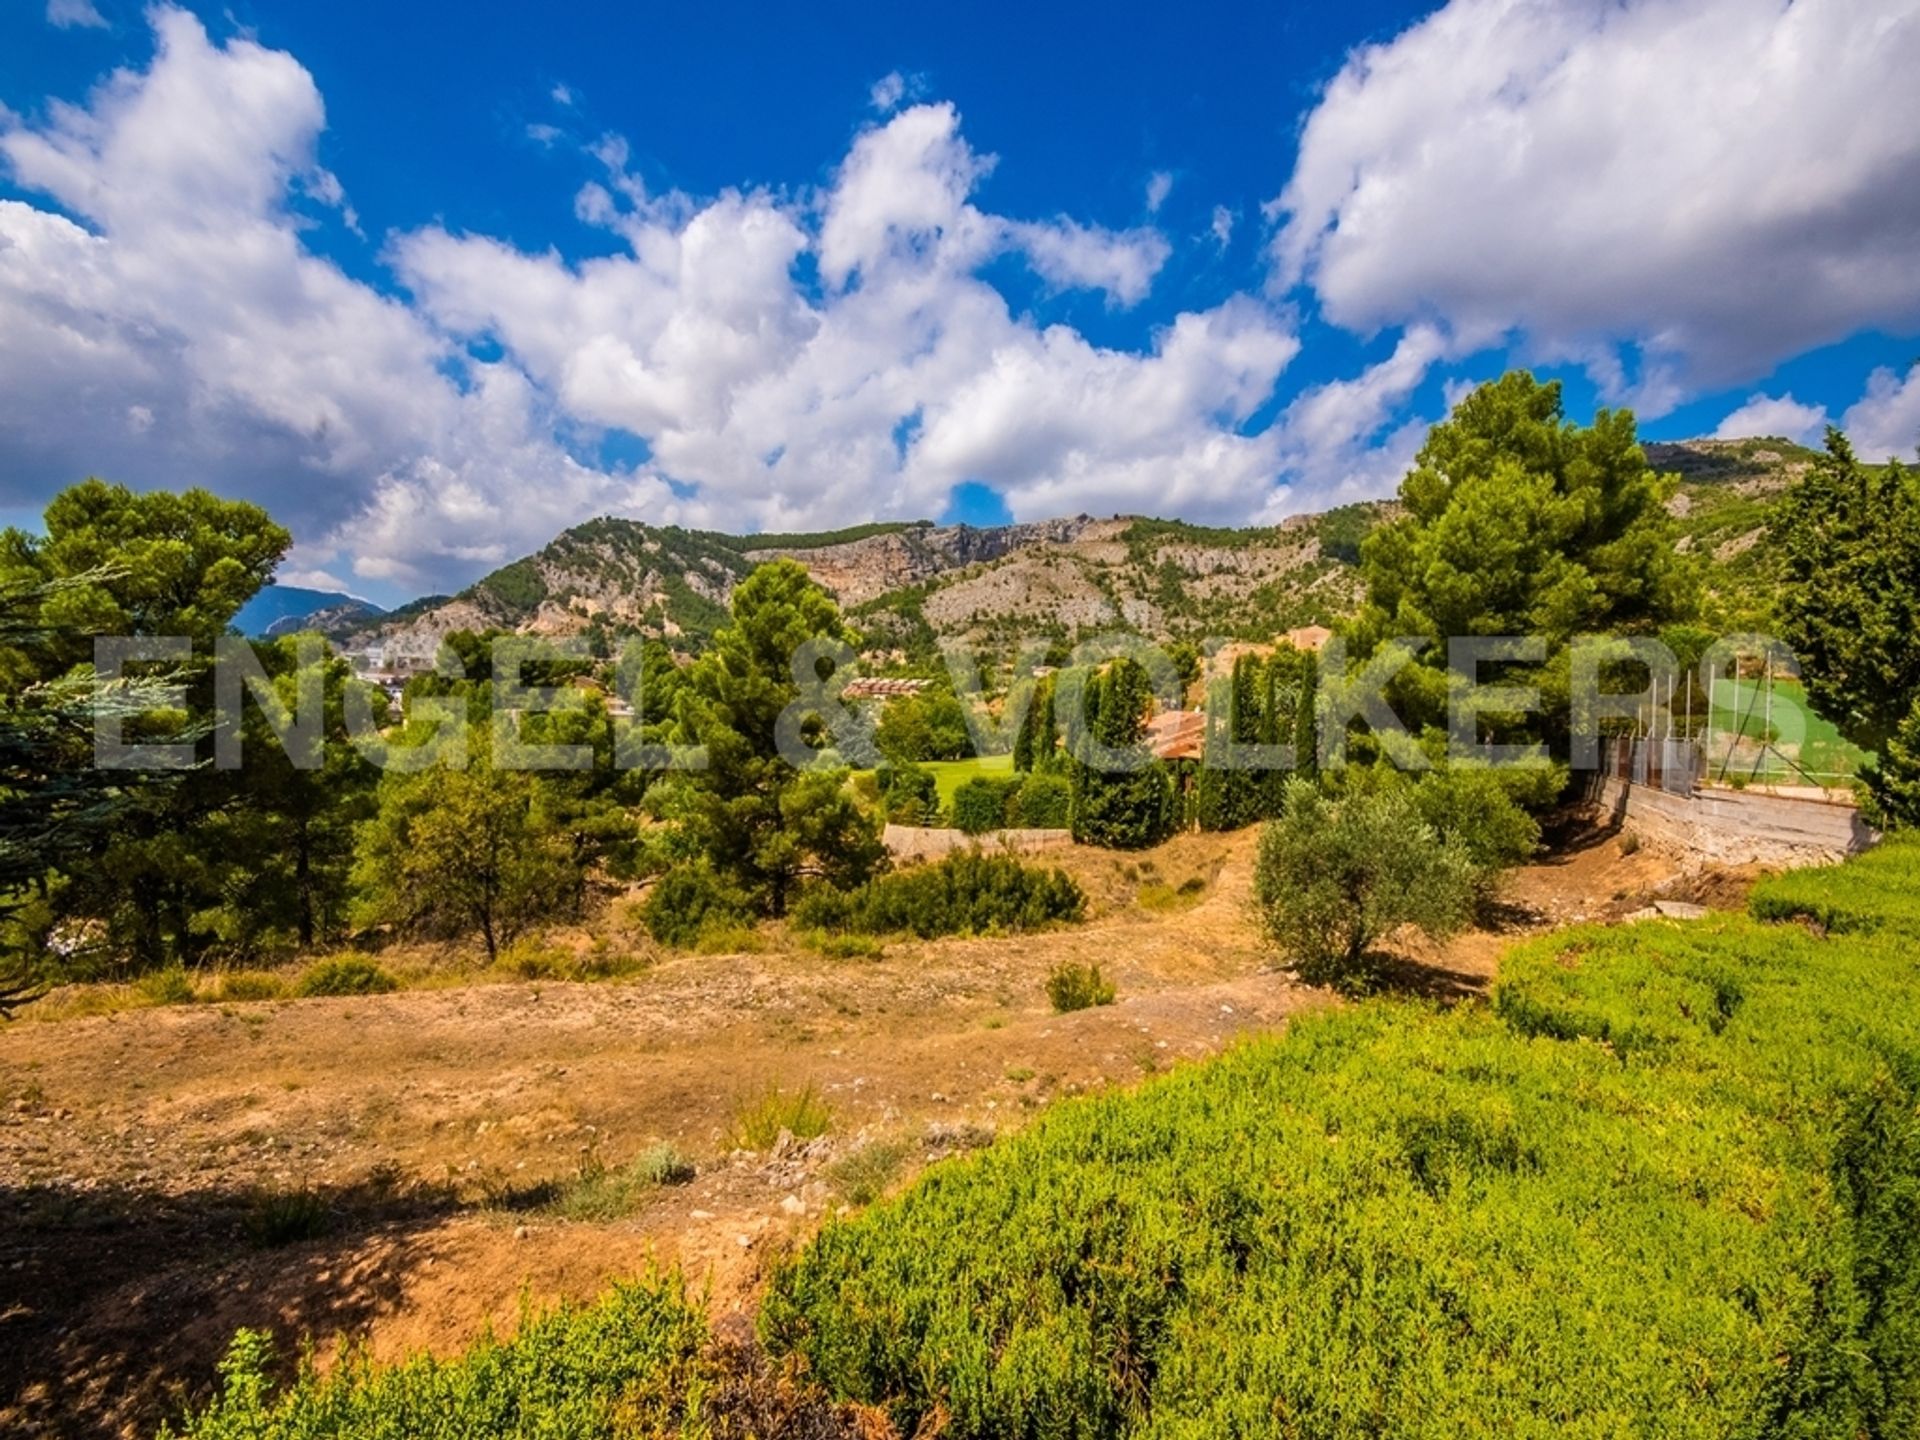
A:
699, 1214
1668, 910
1680, 910
520, 1232
793, 1205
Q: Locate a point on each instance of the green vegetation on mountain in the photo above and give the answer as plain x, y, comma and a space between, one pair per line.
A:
825, 539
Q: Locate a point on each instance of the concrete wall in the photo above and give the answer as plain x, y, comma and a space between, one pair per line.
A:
1739, 827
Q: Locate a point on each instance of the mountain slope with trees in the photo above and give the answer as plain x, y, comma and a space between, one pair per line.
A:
908, 585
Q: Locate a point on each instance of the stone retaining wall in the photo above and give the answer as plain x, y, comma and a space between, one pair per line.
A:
1740, 827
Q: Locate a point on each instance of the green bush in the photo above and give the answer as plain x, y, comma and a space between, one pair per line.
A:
634, 1364
1078, 987
839, 945
966, 892
526, 959
688, 900
344, 975
1332, 878
285, 1217
863, 1176
601, 1193
1666, 1185
908, 794
1475, 807
1043, 801
251, 985
1879, 888
981, 804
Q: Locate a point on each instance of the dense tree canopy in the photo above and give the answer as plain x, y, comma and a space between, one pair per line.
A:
1849, 542
762, 823
152, 564
1123, 806
1519, 522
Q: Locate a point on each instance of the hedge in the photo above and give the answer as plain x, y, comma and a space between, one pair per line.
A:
981, 804
967, 892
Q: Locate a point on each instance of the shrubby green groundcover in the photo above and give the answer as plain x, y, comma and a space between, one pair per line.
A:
1668, 1183
1880, 889
636, 1364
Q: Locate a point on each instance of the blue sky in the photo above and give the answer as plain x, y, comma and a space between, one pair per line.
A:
432, 282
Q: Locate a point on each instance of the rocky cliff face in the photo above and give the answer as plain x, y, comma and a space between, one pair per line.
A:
864, 569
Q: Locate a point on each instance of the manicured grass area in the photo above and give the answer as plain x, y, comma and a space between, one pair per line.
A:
950, 775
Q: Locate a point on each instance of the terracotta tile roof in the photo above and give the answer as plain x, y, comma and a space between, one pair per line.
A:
868, 687
1177, 734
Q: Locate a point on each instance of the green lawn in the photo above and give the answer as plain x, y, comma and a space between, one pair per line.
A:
950, 775
1740, 710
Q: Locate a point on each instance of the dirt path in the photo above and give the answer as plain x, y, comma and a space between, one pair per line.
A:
135, 1148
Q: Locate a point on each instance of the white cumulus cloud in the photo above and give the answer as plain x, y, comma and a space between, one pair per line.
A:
1714, 183
1767, 415
786, 360
1884, 423
907, 375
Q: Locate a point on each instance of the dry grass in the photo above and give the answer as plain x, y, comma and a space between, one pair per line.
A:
865, 1175
759, 1122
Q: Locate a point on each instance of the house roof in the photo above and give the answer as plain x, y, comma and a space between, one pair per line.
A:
1177, 734
869, 687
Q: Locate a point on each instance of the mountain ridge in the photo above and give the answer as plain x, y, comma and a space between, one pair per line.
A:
910, 584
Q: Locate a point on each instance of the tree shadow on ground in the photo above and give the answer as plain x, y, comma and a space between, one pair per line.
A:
116, 1303
1574, 831
1424, 980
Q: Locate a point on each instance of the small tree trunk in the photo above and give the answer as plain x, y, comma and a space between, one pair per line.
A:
303, 884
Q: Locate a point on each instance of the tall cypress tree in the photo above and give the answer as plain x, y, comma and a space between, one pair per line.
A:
1128, 808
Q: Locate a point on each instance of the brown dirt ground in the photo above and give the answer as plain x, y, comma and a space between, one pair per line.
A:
135, 1146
